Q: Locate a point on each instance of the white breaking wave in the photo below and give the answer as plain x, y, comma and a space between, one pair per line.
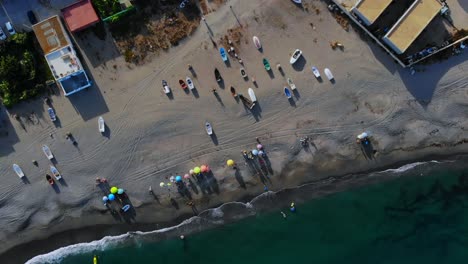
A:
58, 255
408, 166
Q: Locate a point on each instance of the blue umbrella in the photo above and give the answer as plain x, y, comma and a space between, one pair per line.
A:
111, 197
255, 152
120, 191
178, 178
104, 199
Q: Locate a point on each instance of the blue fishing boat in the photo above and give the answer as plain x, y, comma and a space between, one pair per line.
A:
222, 51
287, 92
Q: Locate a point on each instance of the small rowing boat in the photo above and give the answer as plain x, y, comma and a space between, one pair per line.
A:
252, 95
296, 55
209, 128
316, 72
101, 124
18, 170
55, 172
328, 73
256, 42
47, 152
287, 92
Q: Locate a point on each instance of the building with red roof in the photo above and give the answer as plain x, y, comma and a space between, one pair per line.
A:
80, 15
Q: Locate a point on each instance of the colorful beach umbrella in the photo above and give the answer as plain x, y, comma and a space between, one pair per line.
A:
255, 152
178, 178
196, 170
162, 184
230, 162
203, 168
260, 153
259, 146
105, 199
172, 179
191, 172
186, 176
111, 197
114, 190
120, 191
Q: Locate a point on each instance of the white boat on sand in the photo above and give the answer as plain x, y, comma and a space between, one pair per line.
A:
252, 95
189, 83
18, 170
328, 73
316, 72
296, 55
47, 152
209, 129
55, 172
102, 126
256, 42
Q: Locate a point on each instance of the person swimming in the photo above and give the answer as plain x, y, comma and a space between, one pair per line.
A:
284, 215
292, 207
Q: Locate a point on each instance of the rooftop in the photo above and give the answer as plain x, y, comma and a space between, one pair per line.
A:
411, 24
51, 34
79, 15
63, 62
370, 10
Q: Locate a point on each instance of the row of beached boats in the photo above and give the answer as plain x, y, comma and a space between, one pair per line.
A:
187, 84
48, 153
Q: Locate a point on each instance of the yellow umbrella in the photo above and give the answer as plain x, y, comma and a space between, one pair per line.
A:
230, 162
114, 190
196, 170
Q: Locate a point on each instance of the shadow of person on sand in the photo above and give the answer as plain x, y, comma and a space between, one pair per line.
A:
268, 163
292, 102
192, 186
212, 182
218, 98
239, 179
300, 64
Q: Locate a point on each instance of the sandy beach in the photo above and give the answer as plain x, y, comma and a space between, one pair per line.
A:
151, 137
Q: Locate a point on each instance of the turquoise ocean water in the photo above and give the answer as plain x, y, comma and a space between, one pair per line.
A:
411, 219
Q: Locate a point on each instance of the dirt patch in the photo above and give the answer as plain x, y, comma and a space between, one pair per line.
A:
145, 33
233, 38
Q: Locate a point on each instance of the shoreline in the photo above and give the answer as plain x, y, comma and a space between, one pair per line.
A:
92, 233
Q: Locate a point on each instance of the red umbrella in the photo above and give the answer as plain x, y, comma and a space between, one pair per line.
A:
204, 168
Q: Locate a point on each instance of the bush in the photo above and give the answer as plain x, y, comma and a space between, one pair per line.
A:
21, 68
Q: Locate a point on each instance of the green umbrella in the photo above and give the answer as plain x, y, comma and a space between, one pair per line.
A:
114, 190
196, 170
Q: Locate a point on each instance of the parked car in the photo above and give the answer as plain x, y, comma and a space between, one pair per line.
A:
32, 17
2, 34
10, 28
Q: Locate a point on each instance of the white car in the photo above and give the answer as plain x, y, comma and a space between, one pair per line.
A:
10, 28
2, 34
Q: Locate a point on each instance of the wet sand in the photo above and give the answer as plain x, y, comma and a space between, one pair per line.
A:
151, 137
